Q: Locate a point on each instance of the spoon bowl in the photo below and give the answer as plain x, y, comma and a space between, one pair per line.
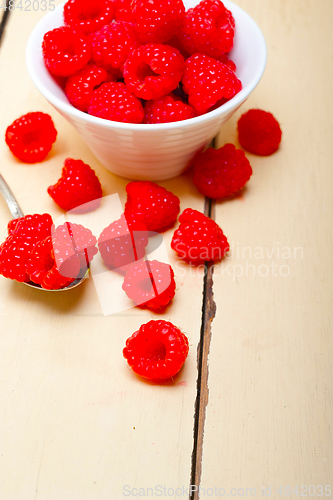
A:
16, 212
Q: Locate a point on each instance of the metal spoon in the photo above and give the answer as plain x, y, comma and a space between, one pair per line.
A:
16, 212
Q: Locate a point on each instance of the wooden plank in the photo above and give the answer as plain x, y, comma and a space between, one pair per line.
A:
76, 423
269, 404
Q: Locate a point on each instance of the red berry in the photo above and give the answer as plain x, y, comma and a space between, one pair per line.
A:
113, 101
112, 45
259, 132
208, 29
157, 350
221, 172
124, 11
207, 80
22, 237
31, 136
150, 284
87, 16
198, 238
80, 239
167, 109
157, 21
65, 51
80, 87
153, 70
123, 242
77, 186
52, 265
153, 204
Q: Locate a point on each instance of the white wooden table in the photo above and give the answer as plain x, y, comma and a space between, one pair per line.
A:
252, 407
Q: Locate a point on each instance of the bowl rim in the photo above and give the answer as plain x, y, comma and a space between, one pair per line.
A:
68, 109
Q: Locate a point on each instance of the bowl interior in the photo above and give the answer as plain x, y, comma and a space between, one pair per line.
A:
248, 53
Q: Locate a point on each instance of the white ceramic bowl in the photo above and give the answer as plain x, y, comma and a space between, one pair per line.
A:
151, 152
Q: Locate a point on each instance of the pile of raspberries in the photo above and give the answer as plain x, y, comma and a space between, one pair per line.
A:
143, 61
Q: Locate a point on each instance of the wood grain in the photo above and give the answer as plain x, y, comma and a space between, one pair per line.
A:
269, 412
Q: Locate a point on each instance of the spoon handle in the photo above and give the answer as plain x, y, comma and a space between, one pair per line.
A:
10, 199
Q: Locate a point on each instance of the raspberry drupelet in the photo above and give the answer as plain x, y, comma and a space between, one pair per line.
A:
88, 16
198, 238
65, 51
31, 136
157, 351
123, 242
157, 21
157, 207
78, 188
221, 172
167, 109
150, 284
259, 132
112, 45
208, 29
80, 87
207, 80
113, 101
153, 70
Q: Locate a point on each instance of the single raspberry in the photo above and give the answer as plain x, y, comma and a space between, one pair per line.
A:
80, 239
259, 132
153, 204
87, 16
113, 101
153, 70
80, 87
167, 109
77, 186
123, 242
207, 80
198, 238
208, 29
31, 136
221, 172
157, 350
65, 51
157, 21
112, 45
150, 284
48, 271
124, 11
22, 237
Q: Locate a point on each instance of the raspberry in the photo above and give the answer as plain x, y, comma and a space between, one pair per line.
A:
78, 185
31, 136
80, 239
49, 271
112, 45
228, 62
87, 16
221, 172
167, 109
153, 204
207, 80
157, 350
124, 11
208, 29
22, 237
113, 101
259, 132
157, 21
153, 70
80, 87
65, 51
123, 242
150, 284
198, 238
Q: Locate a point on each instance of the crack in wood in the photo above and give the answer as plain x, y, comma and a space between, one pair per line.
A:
208, 314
